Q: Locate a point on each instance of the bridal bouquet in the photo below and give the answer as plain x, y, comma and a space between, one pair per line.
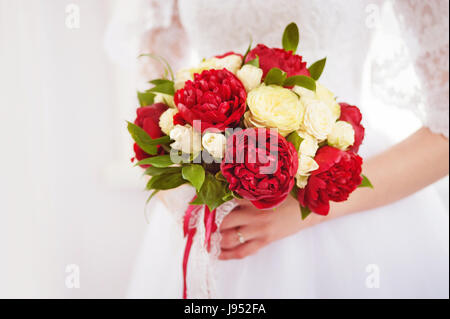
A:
257, 126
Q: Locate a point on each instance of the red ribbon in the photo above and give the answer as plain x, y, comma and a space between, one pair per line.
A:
210, 228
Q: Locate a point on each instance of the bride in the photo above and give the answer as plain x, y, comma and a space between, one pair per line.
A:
389, 242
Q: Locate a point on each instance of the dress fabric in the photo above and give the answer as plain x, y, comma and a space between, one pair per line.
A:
405, 244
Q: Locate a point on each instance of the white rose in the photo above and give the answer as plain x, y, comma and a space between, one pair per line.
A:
306, 165
321, 94
309, 145
165, 98
302, 181
318, 120
329, 99
231, 62
166, 120
182, 76
185, 139
214, 143
273, 106
250, 76
303, 92
342, 135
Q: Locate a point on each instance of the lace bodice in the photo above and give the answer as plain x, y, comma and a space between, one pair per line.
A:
340, 30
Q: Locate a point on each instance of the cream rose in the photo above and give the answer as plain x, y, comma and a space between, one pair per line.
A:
231, 62
309, 144
275, 107
166, 99
318, 120
342, 135
166, 120
214, 143
250, 76
321, 94
302, 181
306, 165
185, 139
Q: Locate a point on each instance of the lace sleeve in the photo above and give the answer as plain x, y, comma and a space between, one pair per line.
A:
145, 26
424, 25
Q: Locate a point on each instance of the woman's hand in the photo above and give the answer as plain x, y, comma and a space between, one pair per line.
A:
247, 229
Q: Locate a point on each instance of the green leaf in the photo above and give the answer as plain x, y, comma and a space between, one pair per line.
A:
146, 98
317, 68
166, 181
291, 37
301, 80
247, 51
227, 197
237, 196
294, 192
142, 139
305, 212
220, 177
152, 195
212, 192
157, 161
295, 139
275, 76
160, 140
165, 88
195, 174
155, 171
197, 201
160, 81
254, 62
366, 182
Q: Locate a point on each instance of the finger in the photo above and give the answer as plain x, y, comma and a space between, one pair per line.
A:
230, 237
237, 218
241, 251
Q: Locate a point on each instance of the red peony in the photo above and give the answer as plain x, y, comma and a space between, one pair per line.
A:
148, 119
263, 174
278, 58
338, 175
352, 115
216, 97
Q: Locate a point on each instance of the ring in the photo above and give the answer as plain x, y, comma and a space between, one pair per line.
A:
240, 237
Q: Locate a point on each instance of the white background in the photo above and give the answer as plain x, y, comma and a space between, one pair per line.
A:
68, 193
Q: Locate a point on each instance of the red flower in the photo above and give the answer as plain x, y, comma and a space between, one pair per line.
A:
352, 115
263, 174
216, 97
338, 175
278, 58
148, 119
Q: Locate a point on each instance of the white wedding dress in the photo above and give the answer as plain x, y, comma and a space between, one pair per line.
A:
397, 251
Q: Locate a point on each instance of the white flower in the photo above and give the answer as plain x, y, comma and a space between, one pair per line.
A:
182, 76
273, 106
250, 76
214, 143
303, 92
231, 62
185, 139
166, 120
165, 98
342, 135
309, 145
318, 120
321, 94
302, 181
306, 165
